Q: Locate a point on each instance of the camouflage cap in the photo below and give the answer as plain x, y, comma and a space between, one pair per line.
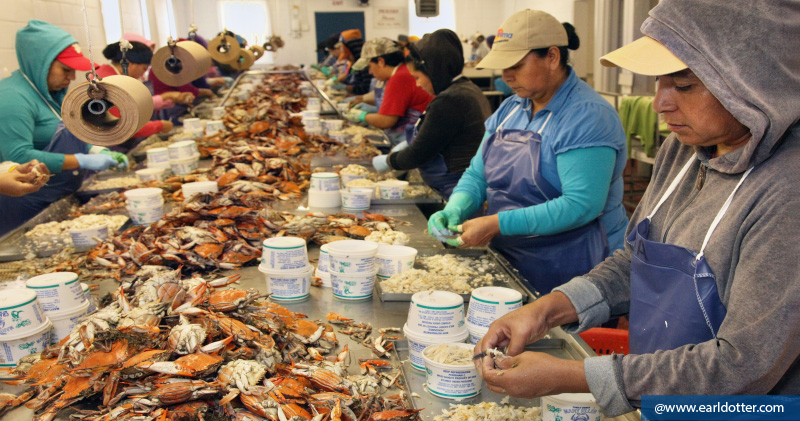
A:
375, 47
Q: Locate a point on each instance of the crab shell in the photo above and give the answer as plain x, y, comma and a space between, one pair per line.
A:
186, 338
227, 300
397, 415
243, 374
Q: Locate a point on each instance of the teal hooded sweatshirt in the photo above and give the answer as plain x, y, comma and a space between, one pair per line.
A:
26, 123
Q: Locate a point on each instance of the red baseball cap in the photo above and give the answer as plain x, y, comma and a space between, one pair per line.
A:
72, 57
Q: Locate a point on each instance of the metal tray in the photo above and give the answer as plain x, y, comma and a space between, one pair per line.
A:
505, 275
433, 198
84, 194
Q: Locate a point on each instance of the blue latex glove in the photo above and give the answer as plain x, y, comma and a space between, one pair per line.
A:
96, 162
228, 81
363, 106
326, 70
400, 146
448, 220
356, 116
121, 159
381, 163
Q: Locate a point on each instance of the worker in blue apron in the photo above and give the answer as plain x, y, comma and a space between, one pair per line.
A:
515, 182
674, 297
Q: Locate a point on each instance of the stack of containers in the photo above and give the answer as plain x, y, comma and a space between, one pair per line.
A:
323, 267
62, 299
355, 200
158, 158
145, 205
197, 187
152, 174
435, 317
214, 126
193, 125
183, 157
331, 125
392, 189
352, 268
24, 327
284, 263
311, 121
324, 190
217, 113
87, 293
488, 304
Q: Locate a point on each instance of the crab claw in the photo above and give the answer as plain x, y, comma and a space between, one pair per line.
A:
216, 346
166, 367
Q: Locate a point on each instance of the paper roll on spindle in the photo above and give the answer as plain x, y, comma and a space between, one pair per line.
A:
91, 122
245, 61
224, 49
193, 62
257, 50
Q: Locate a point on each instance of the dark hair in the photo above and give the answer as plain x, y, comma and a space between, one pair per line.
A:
415, 58
392, 59
138, 54
573, 43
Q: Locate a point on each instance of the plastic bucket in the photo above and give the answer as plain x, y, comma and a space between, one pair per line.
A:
151, 174
315, 103
20, 312
285, 285
347, 178
284, 253
217, 113
144, 198
352, 257
324, 182
57, 291
317, 199
437, 313
452, 381
192, 125
145, 216
392, 259
64, 321
365, 190
191, 189
184, 166
568, 405
312, 123
324, 262
324, 277
392, 189
88, 237
488, 304
476, 333
417, 343
215, 126
352, 287
332, 125
87, 293
308, 113
355, 200
12, 348
157, 156
184, 149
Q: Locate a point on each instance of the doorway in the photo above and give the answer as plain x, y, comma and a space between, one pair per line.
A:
328, 23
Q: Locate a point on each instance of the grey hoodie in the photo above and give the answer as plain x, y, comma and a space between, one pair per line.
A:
746, 54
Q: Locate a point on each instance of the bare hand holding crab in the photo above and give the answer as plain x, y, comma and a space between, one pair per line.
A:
24, 179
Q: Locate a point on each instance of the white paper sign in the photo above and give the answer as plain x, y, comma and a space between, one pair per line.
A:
390, 17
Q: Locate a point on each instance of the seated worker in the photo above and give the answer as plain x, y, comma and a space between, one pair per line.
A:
401, 100
450, 130
330, 48
479, 49
30, 120
357, 82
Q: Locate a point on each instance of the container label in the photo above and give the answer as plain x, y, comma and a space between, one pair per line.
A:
289, 288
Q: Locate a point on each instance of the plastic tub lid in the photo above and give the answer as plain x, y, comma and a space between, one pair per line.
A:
51, 280
431, 339
195, 157
280, 243
352, 248
438, 300
395, 250
151, 171
182, 144
393, 183
198, 186
324, 175
13, 298
143, 192
154, 151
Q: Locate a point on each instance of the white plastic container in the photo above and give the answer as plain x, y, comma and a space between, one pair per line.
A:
217, 113
332, 125
145, 216
368, 190
13, 347
57, 291
417, 343
324, 182
144, 198
488, 304
157, 156
20, 313
324, 277
152, 174
184, 149
161, 166
352, 287
284, 253
215, 126
197, 187
393, 259
192, 125
315, 103
184, 166
437, 313
88, 237
343, 107
65, 320
285, 285
476, 333
312, 123
452, 381
352, 257
340, 137
87, 292
567, 406
309, 114
347, 178
392, 189
355, 200
317, 199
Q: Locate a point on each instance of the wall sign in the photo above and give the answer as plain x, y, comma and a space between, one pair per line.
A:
390, 17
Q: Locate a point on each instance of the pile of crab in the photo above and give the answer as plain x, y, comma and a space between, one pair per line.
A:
172, 349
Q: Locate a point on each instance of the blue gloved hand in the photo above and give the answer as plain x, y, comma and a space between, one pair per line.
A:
356, 116
96, 162
228, 81
325, 70
363, 106
448, 220
121, 159
381, 163
400, 146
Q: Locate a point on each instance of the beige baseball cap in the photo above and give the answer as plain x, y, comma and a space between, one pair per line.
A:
375, 47
645, 56
519, 34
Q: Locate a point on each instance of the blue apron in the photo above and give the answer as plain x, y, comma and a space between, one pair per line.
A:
674, 297
377, 86
434, 171
515, 181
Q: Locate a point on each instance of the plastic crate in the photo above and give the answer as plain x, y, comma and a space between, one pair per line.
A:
605, 341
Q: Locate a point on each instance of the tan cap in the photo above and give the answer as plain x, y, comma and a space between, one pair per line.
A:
644, 56
519, 34
375, 47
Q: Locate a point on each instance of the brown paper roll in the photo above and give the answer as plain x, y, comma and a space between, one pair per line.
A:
246, 60
130, 96
257, 50
226, 57
193, 58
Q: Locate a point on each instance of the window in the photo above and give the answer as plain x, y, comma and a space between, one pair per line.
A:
420, 26
111, 20
248, 18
